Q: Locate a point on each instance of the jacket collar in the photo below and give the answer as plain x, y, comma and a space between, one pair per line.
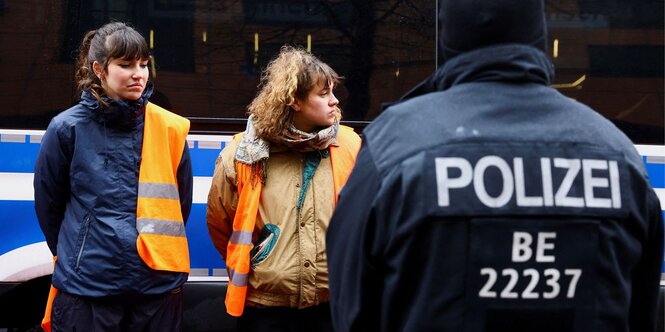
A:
120, 113
503, 63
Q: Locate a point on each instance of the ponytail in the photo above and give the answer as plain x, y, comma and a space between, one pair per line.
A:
85, 75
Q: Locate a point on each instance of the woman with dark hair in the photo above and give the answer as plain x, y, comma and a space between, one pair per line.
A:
113, 190
274, 189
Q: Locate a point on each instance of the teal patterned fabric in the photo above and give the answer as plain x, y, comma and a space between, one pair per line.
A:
312, 161
264, 245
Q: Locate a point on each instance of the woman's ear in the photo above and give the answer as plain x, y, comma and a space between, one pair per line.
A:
296, 105
97, 68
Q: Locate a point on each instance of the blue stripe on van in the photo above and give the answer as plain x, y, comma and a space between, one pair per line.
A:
203, 160
23, 157
656, 173
202, 252
19, 225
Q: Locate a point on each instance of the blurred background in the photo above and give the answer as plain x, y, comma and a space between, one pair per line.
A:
208, 54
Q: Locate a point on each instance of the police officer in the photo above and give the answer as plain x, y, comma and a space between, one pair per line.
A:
488, 201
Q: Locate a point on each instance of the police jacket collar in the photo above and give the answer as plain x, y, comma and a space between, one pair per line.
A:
503, 63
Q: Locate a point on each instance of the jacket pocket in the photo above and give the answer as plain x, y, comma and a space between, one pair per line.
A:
83, 236
264, 245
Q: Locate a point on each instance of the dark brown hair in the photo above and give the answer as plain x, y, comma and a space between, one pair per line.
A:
114, 40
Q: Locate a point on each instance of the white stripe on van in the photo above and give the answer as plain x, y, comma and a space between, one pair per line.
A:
18, 187
26, 263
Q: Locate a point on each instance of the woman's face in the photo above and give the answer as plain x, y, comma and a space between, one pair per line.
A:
318, 109
123, 79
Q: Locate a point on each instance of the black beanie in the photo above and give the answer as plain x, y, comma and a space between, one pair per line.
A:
466, 25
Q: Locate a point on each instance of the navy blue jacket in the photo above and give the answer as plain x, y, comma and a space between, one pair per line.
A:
86, 185
494, 203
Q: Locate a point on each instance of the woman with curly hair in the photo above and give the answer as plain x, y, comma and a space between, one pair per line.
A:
273, 192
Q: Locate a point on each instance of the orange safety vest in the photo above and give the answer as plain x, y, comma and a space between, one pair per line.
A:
342, 158
46, 321
161, 243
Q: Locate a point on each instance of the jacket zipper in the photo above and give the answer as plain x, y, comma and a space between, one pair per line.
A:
86, 226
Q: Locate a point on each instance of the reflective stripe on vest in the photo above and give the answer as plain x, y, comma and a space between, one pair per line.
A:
161, 243
342, 158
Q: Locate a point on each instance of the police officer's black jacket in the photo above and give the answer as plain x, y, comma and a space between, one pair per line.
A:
495, 203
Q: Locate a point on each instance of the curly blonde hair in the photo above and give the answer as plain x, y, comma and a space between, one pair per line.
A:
289, 76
